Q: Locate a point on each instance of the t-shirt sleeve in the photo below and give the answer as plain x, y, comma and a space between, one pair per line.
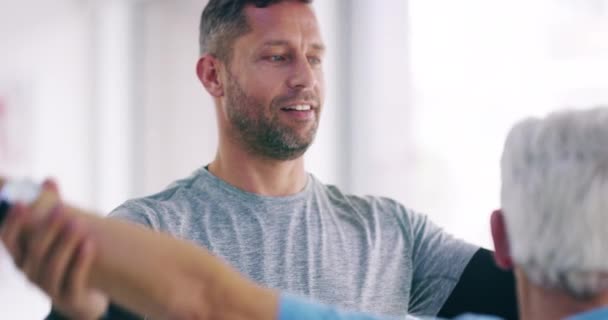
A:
483, 288
136, 213
438, 260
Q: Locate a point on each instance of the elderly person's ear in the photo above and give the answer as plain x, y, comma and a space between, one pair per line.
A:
502, 254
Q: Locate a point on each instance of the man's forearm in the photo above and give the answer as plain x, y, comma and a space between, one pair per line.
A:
154, 274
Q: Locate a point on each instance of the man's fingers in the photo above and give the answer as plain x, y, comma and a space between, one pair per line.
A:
76, 283
51, 185
11, 231
64, 250
45, 203
38, 248
19, 216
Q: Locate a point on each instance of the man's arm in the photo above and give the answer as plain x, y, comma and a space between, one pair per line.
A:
483, 288
153, 274
452, 277
178, 280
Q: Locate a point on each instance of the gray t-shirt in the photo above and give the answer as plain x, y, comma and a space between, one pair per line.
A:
367, 254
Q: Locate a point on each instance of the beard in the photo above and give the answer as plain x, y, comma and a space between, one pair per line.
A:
263, 134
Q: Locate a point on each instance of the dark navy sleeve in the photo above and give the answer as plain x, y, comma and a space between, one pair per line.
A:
483, 288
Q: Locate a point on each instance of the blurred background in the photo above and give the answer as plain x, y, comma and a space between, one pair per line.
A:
102, 95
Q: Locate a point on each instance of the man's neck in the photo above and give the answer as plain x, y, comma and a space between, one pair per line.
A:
540, 303
259, 175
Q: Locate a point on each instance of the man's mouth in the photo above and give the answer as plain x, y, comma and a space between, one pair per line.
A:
300, 112
298, 107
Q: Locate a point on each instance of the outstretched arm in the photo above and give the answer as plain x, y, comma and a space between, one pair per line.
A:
177, 281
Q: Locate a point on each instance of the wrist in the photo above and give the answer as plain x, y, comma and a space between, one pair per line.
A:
250, 301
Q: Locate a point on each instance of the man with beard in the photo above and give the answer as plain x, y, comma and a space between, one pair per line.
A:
256, 206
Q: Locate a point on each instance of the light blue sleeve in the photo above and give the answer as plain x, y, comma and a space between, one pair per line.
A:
596, 314
295, 308
470, 316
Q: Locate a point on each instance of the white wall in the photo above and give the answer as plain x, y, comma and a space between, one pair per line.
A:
176, 118
44, 65
380, 134
477, 67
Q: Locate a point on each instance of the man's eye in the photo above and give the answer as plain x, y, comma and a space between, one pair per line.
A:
314, 60
276, 58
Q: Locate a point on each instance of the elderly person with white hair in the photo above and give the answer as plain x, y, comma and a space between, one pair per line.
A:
551, 230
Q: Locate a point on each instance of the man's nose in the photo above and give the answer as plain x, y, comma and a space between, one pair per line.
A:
302, 75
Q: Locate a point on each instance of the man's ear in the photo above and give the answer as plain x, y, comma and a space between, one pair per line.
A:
208, 72
502, 253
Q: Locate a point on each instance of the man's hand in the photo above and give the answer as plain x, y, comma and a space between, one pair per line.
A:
55, 252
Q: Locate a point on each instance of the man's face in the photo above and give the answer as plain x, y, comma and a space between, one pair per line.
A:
274, 86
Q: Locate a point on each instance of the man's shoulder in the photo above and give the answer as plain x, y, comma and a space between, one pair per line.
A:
146, 208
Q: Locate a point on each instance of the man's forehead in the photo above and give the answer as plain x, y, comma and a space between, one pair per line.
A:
283, 17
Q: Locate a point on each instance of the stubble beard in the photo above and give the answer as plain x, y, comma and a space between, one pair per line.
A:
261, 134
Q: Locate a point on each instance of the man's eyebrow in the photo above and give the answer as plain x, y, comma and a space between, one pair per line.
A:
282, 43
318, 46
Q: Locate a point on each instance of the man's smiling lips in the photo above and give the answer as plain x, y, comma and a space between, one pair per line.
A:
298, 107
299, 111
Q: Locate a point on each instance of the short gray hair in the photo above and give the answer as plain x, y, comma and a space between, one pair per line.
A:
555, 200
223, 21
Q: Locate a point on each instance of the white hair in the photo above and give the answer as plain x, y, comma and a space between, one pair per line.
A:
555, 200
